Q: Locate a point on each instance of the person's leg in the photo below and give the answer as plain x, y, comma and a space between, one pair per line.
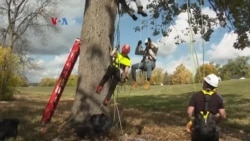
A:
114, 82
124, 5
149, 66
134, 67
105, 78
127, 7
140, 8
138, 3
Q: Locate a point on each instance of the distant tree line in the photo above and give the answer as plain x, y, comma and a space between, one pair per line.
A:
51, 81
234, 68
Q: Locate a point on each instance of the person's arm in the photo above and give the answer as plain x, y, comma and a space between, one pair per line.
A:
139, 49
190, 111
220, 115
191, 108
152, 54
190, 117
126, 72
153, 45
221, 112
124, 77
113, 52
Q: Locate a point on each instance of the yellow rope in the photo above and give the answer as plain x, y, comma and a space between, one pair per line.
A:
202, 42
200, 74
191, 42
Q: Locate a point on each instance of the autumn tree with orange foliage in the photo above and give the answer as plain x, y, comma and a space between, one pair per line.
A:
181, 75
204, 70
157, 76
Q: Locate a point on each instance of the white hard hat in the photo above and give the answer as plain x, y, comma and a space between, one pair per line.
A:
212, 80
146, 41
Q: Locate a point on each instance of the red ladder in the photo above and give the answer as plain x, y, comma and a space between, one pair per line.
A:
61, 82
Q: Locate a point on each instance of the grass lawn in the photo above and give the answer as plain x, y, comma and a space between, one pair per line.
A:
161, 111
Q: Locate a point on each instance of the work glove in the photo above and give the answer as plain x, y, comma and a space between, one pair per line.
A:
139, 43
189, 126
149, 40
149, 43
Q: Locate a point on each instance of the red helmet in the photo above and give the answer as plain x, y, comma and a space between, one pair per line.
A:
125, 49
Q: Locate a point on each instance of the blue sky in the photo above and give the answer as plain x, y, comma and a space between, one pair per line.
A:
52, 56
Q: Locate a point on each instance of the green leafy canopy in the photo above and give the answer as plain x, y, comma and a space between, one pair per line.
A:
230, 14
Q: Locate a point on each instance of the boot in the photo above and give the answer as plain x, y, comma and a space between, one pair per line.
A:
106, 102
134, 85
99, 89
131, 14
140, 11
146, 85
134, 17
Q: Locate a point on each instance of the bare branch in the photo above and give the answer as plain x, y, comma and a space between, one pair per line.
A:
22, 18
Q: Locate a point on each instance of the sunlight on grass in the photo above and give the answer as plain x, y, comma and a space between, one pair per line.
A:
44, 91
149, 106
175, 98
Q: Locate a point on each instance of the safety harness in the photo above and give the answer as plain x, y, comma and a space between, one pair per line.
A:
204, 122
206, 112
121, 60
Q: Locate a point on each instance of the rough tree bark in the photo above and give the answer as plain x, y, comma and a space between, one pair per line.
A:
96, 40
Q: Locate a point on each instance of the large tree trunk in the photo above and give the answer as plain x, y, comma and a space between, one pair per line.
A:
96, 40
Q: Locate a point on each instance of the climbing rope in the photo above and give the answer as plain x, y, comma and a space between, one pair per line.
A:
117, 29
202, 42
191, 40
117, 45
192, 49
116, 109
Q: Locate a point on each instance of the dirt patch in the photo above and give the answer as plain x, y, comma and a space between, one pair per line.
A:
136, 125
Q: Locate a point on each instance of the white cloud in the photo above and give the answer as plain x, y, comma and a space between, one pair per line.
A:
219, 53
209, 11
167, 44
60, 44
56, 44
191, 62
224, 50
50, 69
180, 30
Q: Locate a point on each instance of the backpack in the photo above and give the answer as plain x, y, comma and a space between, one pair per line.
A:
101, 123
205, 123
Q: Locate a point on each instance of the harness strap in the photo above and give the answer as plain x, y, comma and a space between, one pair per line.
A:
205, 116
207, 95
207, 98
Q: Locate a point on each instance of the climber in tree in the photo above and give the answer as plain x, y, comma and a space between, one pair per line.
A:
117, 71
147, 63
